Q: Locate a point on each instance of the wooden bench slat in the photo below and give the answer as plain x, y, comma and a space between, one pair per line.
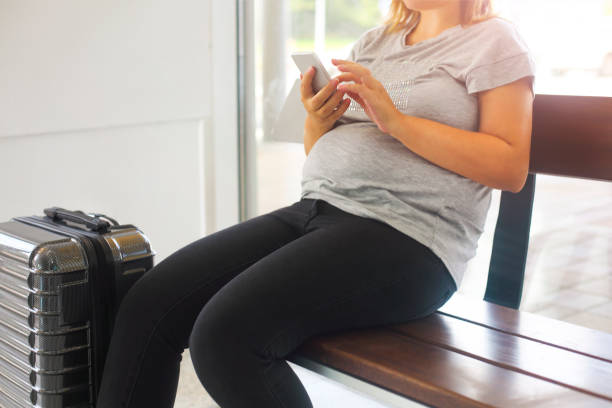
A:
434, 375
551, 363
579, 339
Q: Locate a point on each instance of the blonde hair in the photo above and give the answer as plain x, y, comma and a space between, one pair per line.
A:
472, 11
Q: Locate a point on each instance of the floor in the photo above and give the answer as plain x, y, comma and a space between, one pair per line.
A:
568, 274
323, 392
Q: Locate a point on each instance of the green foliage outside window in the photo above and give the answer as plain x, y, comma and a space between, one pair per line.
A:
345, 21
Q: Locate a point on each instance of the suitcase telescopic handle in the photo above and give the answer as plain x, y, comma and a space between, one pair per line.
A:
79, 217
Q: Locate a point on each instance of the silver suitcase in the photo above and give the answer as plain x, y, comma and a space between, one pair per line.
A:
62, 278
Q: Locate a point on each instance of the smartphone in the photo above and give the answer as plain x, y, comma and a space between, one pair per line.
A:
305, 60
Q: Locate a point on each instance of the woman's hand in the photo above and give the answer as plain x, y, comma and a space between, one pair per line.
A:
369, 93
323, 108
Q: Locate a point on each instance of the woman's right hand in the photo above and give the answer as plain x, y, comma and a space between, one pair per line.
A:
323, 108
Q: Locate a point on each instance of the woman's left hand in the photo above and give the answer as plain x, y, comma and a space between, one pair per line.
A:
367, 92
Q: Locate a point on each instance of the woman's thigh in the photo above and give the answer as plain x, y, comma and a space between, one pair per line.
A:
350, 274
171, 294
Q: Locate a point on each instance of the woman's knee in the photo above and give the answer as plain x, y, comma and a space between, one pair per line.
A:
211, 348
214, 328
223, 334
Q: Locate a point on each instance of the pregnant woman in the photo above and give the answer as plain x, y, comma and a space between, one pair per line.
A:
431, 111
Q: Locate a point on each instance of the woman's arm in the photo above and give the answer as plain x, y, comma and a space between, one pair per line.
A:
497, 155
323, 108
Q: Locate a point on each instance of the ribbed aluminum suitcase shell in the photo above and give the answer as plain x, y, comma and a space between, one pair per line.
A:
60, 287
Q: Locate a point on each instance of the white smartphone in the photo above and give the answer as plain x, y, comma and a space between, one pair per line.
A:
305, 60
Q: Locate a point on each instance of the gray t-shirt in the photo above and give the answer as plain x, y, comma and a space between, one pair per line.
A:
363, 171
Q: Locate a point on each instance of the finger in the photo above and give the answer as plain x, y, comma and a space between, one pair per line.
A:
356, 98
341, 109
348, 76
306, 87
319, 99
331, 104
359, 100
359, 89
356, 69
337, 61
369, 81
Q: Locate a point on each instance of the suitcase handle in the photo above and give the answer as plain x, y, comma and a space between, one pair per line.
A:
79, 217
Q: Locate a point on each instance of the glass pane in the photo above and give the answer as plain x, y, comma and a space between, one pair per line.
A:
571, 42
328, 27
569, 275
569, 265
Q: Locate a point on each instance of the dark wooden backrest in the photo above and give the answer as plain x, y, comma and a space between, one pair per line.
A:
572, 137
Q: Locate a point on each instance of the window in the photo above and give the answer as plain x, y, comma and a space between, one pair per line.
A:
567, 277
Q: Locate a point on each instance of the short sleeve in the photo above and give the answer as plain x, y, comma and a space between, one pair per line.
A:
354, 50
364, 41
501, 57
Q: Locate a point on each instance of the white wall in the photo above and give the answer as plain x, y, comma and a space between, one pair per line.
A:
116, 107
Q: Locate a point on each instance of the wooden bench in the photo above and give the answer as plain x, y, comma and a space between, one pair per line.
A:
475, 352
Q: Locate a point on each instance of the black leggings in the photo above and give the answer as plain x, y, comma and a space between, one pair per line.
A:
245, 297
